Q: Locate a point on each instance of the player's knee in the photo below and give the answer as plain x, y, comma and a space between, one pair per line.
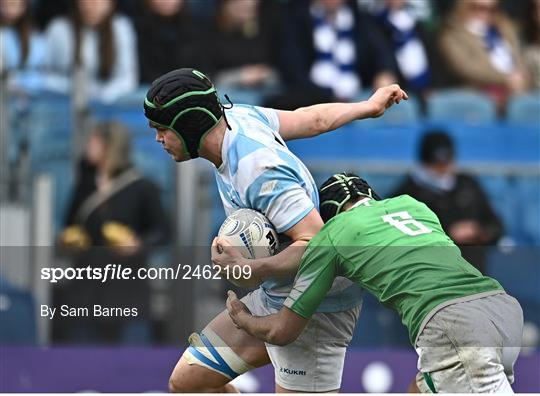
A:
176, 385
182, 381
197, 370
187, 379
179, 384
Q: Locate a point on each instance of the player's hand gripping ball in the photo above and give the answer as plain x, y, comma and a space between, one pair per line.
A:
245, 234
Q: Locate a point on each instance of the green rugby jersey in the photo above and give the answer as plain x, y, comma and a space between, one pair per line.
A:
395, 249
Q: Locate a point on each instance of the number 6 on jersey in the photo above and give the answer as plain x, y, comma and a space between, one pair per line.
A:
403, 222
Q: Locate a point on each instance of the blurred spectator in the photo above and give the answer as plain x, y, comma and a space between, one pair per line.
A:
45, 11
531, 42
331, 47
115, 216
420, 10
409, 43
514, 9
481, 48
167, 38
457, 199
22, 50
241, 54
100, 42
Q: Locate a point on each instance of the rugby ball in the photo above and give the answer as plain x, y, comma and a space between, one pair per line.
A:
251, 232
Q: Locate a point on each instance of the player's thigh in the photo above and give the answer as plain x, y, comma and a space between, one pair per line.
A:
314, 361
248, 348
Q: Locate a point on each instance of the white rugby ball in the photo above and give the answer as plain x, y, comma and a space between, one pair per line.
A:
251, 232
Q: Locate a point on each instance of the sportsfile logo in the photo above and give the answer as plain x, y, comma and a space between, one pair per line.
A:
291, 371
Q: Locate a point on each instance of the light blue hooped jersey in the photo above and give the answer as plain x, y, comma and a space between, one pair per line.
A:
259, 172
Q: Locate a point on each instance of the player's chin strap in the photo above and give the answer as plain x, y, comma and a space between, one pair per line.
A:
222, 359
223, 108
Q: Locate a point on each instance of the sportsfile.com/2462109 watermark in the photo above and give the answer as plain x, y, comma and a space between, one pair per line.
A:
120, 272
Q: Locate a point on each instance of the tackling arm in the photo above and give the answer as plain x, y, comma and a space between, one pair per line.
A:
280, 328
282, 264
320, 118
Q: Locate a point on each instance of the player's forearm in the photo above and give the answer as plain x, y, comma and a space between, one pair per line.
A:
285, 263
270, 329
260, 327
329, 116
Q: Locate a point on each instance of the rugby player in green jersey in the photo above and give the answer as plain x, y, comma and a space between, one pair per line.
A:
465, 328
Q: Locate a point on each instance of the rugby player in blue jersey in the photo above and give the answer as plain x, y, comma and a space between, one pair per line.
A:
254, 169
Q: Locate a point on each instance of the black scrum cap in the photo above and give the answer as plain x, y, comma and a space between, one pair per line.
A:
340, 189
185, 101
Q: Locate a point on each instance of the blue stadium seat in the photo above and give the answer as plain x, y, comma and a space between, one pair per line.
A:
48, 121
16, 125
492, 141
50, 109
487, 142
391, 143
504, 204
525, 109
325, 147
462, 105
49, 144
517, 270
388, 143
523, 143
16, 315
527, 214
519, 274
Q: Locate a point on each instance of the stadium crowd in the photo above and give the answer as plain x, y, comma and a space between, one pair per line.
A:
288, 53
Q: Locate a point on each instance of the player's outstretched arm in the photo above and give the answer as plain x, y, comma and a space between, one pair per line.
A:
317, 119
280, 328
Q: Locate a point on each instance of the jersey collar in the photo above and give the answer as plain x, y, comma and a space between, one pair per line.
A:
364, 201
